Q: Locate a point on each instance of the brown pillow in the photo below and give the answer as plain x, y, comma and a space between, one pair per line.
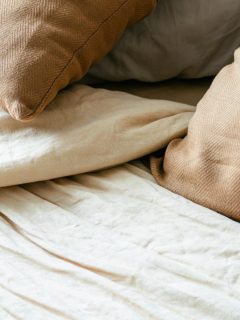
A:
45, 45
205, 166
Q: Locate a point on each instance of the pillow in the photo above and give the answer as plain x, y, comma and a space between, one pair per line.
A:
45, 45
205, 166
187, 39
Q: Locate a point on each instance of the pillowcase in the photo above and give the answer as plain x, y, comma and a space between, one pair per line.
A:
187, 39
205, 166
45, 45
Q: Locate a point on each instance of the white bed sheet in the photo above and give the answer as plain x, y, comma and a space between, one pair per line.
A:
114, 245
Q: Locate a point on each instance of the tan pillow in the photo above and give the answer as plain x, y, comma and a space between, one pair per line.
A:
205, 166
45, 45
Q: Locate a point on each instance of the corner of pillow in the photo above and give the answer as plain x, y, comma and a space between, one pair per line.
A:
20, 112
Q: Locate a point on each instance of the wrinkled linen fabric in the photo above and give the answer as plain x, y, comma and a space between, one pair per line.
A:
205, 166
87, 129
114, 245
189, 39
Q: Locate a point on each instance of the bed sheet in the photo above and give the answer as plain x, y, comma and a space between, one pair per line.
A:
114, 245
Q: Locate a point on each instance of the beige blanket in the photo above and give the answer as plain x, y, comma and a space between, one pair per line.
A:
86, 129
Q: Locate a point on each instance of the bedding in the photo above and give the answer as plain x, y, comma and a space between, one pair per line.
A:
113, 245
86, 129
205, 166
187, 91
45, 45
189, 39
113, 242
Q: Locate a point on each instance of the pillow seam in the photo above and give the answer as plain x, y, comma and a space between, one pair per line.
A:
75, 53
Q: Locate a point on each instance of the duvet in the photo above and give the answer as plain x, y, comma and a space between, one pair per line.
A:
86, 129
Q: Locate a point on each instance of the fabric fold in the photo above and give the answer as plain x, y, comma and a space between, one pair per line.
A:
87, 129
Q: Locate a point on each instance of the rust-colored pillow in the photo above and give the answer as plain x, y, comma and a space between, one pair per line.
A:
205, 166
47, 44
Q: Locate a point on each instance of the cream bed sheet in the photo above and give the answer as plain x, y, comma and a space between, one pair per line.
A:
114, 245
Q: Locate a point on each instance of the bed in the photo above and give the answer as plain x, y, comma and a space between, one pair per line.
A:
113, 244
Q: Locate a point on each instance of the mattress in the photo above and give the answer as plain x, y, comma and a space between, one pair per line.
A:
113, 244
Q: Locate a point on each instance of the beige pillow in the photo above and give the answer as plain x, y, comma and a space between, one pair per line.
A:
205, 166
45, 45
